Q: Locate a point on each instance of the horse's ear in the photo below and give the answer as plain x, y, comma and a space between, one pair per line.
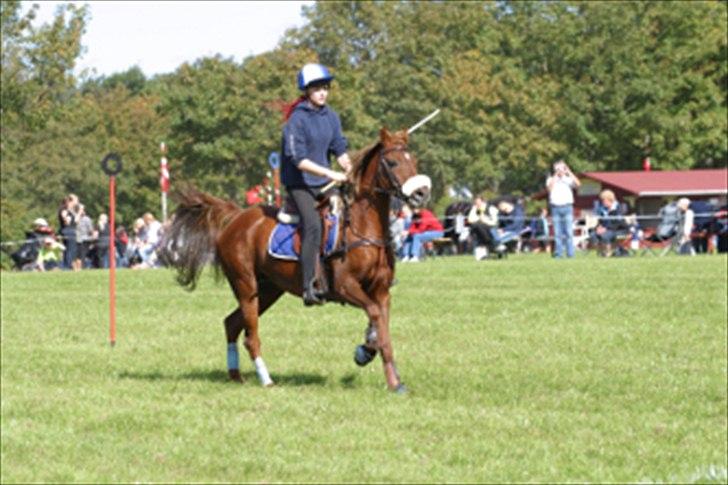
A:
384, 135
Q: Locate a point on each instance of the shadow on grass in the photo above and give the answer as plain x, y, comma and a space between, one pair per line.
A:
219, 376
349, 381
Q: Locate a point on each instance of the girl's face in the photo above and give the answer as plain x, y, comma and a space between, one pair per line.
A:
317, 94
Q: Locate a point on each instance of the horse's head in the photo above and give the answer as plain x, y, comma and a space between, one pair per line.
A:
396, 170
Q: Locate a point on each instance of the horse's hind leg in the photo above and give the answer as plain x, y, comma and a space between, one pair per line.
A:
233, 327
251, 307
238, 321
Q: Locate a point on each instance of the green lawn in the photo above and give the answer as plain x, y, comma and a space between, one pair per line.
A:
527, 369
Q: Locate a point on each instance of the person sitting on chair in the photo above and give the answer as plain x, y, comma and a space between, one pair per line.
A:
482, 218
611, 222
312, 132
49, 255
424, 228
511, 222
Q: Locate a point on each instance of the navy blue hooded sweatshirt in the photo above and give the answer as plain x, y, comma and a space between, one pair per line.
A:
310, 133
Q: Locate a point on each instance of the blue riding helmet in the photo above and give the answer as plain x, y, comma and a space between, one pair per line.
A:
311, 73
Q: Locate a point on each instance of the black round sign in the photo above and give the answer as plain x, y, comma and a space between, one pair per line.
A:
114, 167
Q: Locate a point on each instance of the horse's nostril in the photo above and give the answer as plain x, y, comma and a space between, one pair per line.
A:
420, 197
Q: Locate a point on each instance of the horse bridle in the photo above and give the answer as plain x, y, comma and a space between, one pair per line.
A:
385, 165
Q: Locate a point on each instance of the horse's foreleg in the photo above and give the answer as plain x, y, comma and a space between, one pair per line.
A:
385, 347
366, 352
378, 314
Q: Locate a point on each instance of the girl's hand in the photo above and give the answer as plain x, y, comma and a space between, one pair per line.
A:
337, 176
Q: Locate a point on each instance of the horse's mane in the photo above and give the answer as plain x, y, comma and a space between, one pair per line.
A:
360, 160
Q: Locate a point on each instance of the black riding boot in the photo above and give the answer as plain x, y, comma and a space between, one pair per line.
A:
310, 295
305, 200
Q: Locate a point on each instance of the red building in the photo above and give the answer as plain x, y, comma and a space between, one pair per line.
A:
647, 191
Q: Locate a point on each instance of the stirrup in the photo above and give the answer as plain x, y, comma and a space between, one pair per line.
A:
311, 296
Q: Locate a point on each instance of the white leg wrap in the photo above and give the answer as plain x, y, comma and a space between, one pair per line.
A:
262, 372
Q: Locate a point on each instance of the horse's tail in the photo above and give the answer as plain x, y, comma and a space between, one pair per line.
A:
189, 242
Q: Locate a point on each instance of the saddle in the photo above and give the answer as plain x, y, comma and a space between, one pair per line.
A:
329, 204
285, 242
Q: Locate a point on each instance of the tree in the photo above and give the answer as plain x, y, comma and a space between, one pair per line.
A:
225, 118
37, 83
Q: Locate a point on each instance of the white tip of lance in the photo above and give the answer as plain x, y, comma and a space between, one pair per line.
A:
424, 120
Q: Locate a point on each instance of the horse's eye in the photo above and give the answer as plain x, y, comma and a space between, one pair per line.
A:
392, 163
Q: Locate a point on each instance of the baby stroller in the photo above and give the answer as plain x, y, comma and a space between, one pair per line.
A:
455, 225
663, 236
25, 258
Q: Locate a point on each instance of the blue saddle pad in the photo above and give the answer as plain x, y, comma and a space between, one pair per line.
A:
280, 244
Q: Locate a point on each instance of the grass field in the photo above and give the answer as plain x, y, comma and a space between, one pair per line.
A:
526, 369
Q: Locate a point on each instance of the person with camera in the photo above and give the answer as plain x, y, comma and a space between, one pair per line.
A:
561, 199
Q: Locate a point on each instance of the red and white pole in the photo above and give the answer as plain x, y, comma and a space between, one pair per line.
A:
164, 179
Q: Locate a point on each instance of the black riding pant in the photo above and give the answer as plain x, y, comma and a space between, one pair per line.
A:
305, 200
482, 234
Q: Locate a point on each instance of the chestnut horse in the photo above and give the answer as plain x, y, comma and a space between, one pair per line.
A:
360, 271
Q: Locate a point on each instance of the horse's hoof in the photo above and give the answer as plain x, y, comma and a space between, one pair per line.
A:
235, 376
270, 385
363, 355
401, 389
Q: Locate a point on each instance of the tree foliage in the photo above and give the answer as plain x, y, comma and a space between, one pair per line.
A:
519, 83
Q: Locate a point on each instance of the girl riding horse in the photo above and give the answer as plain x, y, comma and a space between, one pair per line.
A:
361, 270
312, 131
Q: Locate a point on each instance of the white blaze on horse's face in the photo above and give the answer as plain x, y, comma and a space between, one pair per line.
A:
417, 190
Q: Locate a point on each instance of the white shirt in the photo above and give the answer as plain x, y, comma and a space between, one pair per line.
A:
561, 193
153, 231
687, 225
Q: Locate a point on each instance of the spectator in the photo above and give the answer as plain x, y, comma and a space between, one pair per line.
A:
136, 244
686, 227
397, 231
103, 241
561, 198
456, 228
153, 232
67, 220
611, 222
25, 258
510, 220
482, 218
721, 229
704, 223
121, 241
49, 255
84, 237
540, 231
424, 228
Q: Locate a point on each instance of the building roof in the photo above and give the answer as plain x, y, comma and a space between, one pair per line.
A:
666, 182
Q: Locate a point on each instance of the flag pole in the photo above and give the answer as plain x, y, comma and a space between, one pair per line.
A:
164, 179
